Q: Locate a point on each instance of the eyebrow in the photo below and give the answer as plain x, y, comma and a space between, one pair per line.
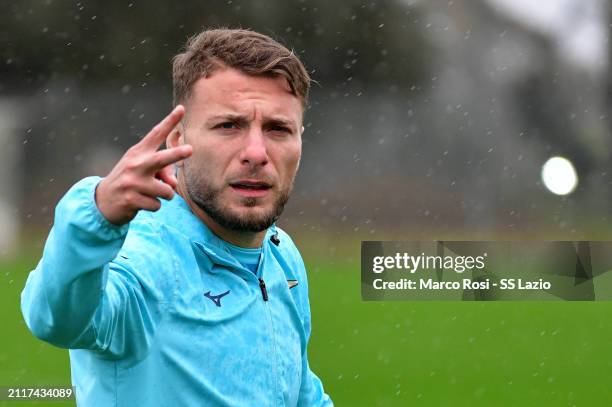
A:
230, 117
242, 120
278, 121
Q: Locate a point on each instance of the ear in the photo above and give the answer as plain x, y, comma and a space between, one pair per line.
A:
302, 130
176, 136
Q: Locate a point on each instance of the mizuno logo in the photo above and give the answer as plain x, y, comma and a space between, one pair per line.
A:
216, 298
292, 283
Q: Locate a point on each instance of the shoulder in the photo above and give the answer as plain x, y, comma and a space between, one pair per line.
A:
287, 246
293, 265
146, 260
290, 254
146, 236
148, 244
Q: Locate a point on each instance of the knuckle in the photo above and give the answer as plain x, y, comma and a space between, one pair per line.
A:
138, 162
155, 129
130, 199
157, 160
128, 182
132, 151
131, 164
168, 192
155, 205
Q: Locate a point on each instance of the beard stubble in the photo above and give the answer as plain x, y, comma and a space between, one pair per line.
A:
208, 198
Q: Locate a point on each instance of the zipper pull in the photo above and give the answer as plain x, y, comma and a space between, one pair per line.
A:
264, 292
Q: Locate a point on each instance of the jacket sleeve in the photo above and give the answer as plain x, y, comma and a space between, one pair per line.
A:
77, 297
311, 389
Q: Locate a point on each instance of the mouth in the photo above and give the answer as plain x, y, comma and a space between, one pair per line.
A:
251, 188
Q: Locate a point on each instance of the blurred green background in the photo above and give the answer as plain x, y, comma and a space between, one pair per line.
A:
429, 120
396, 353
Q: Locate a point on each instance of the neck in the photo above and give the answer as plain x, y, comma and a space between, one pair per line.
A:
237, 238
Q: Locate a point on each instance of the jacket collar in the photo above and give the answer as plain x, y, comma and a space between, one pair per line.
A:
179, 215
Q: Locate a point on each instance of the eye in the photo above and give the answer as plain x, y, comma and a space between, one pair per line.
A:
280, 129
226, 125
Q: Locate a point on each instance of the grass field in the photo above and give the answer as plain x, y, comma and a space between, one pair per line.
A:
397, 353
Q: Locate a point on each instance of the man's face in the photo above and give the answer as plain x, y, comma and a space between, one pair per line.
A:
246, 137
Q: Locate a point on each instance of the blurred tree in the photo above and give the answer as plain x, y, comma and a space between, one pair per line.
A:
98, 41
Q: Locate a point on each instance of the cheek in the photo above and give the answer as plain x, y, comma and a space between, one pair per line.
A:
202, 165
291, 161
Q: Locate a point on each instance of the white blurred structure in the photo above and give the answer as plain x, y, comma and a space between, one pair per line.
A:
10, 174
559, 176
577, 27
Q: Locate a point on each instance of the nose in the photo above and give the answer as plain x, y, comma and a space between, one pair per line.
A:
254, 152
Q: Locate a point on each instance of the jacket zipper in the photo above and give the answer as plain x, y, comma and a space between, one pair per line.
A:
264, 291
272, 336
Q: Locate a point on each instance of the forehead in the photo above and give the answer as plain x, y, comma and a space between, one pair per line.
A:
228, 90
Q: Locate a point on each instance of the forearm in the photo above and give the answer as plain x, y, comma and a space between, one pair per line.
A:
64, 291
312, 393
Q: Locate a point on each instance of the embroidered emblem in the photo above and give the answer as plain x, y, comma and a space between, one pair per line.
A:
216, 298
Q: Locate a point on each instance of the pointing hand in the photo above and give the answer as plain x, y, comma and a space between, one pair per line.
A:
142, 175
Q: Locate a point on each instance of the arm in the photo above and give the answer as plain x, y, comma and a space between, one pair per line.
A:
78, 297
81, 295
311, 389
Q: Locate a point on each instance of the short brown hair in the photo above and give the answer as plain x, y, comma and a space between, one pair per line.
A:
245, 50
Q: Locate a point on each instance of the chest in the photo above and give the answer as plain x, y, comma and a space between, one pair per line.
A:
221, 322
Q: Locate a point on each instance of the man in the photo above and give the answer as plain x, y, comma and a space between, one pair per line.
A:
197, 299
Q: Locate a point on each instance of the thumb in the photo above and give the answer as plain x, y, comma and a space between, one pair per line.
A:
166, 175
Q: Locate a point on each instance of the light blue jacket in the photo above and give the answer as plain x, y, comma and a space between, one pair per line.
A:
157, 313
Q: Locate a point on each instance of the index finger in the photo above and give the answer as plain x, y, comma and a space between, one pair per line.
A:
158, 134
169, 156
